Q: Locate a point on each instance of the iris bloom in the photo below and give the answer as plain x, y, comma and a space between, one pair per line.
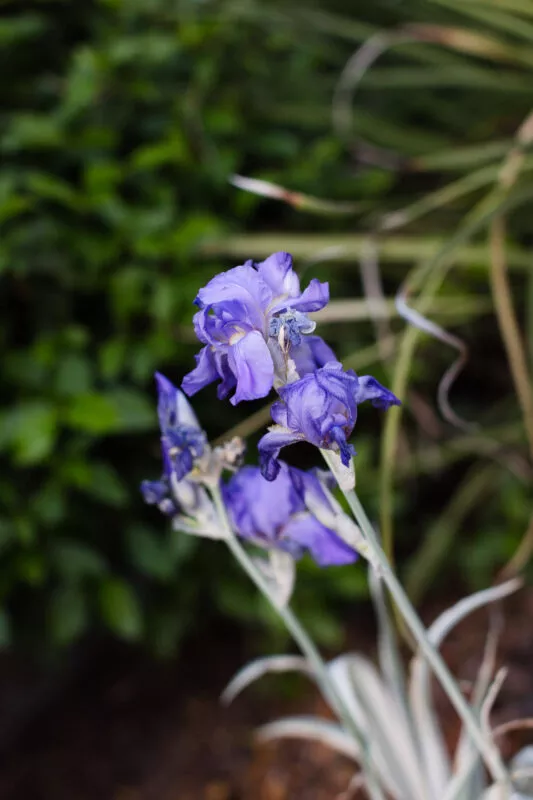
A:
254, 324
320, 408
275, 514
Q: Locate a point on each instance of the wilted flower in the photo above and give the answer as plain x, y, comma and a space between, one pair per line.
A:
320, 408
182, 439
253, 322
184, 450
275, 514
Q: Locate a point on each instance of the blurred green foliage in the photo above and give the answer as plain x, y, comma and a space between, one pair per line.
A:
121, 123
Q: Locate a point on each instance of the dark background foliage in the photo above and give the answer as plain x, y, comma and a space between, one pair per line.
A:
121, 122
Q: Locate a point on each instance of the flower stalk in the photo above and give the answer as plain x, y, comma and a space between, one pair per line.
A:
302, 639
378, 560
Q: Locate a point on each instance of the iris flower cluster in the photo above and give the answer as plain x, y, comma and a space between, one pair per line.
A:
253, 322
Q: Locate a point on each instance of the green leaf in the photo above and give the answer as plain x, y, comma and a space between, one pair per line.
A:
135, 411
75, 560
105, 485
120, 609
92, 413
30, 429
32, 568
67, 614
150, 553
73, 376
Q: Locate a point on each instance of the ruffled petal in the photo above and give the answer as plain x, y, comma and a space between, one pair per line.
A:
307, 406
251, 363
277, 272
371, 389
326, 548
204, 373
241, 284
269, 447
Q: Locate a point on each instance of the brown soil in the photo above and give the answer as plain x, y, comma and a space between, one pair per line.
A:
125, 727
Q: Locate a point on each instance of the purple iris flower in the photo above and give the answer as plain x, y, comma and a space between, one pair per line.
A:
274, 514
254, 325
320, 408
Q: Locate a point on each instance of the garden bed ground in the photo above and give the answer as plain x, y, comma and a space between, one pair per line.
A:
121, 726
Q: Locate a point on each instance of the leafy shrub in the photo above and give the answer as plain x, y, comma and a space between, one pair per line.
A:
122, 122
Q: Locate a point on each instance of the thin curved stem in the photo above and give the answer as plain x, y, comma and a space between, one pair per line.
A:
378, 560
304, 642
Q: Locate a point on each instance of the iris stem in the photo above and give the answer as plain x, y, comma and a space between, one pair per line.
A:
378, 560
304, 642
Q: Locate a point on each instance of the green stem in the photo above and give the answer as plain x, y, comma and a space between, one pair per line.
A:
304, 642
378, 560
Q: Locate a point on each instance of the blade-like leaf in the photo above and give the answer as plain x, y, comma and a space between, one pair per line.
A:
452, 616
469, 775
461, 787
522, 770
262, 666
314, 729
384, 724
388, 654
498, 792
436, 759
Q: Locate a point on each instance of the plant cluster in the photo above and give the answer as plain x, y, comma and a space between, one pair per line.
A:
258, 336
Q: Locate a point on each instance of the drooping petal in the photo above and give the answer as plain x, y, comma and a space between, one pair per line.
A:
337, 434
154, 492
203, 374
326, 548
371, 389
259, 508
277, 272
269, 447
251, 363
308, 484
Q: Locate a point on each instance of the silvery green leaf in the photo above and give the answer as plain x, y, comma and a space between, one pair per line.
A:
468, 771
383, 723
434, 751
388, 654
313, 729
498, 792
452, 616
521, 768
262, 666
461, 786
